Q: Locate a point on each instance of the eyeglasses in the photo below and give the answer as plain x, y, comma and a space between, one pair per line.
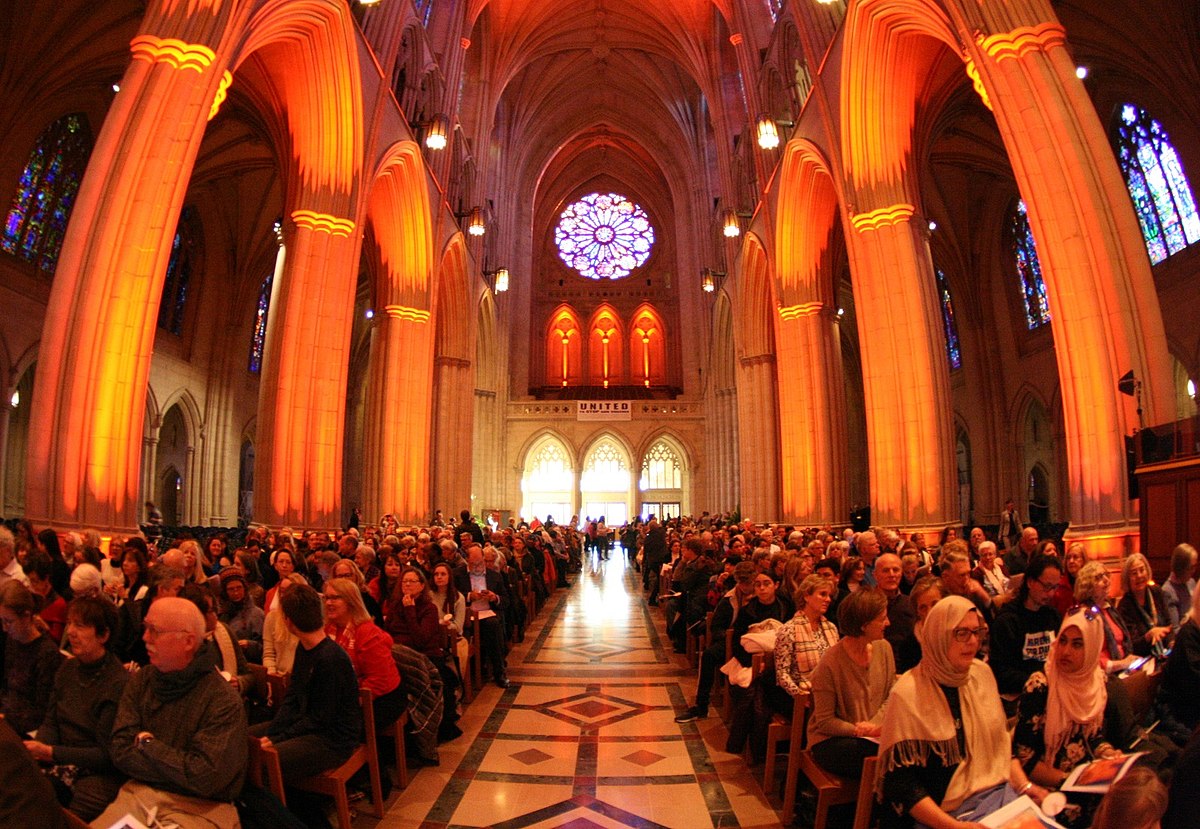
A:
965, 635
1047, 587
153, 633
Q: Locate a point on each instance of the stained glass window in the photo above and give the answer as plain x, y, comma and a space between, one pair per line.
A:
952, 349
605, 468
661, 468
260, 324
776, 9
37, 220
1154, 176
184, 250
424, 9
1029, 269
604, 236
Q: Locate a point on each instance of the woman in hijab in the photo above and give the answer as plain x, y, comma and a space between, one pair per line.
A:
945, 756
1060, 716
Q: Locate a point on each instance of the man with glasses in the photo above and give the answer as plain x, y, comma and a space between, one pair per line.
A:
1025, 627
180, 731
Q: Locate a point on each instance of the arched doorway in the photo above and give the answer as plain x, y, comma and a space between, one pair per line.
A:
606, 482
19, 415
548, 484
246, 484
962, 454
172, 462
1039, 495
661, 484
170, 494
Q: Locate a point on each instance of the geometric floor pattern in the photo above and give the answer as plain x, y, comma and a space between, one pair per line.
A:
584, 736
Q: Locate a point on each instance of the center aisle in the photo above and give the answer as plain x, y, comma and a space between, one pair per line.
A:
585, 735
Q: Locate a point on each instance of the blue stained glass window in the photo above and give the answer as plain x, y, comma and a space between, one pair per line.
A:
424, 10
184, 250
604, 236
1033, 289
37, 220
776, 9
1157, 184
953, 352
260, 324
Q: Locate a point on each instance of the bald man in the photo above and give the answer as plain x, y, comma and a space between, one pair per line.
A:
180, 732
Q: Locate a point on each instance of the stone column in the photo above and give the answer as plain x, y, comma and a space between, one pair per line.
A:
758, 449
453, 423
94, 358
812, 415
911, 449
396, 478
1106, 314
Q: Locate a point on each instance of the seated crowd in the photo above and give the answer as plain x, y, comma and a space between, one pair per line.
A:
974, 675
135, 679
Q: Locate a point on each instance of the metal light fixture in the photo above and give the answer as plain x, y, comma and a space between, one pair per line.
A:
708, 279
476, 226
731, 228
768, 132
499, 279
436, 132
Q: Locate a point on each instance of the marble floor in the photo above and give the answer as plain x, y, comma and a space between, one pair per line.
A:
585, 735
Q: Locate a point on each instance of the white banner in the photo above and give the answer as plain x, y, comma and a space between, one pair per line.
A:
604, 410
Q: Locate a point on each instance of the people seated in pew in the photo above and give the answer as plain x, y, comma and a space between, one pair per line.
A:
802, 641
944, 750
850, 686
1144, 608
1178, 703
31, 659
73, 740
1060, 714
318, 724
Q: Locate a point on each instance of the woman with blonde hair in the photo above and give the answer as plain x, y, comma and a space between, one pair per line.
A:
348, 623
804, 639
1091, 588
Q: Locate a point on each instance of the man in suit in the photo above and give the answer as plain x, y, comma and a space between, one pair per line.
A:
655, 553
484, 590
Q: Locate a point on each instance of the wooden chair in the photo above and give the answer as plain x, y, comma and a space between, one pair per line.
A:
782, 729
463, 663
1142, 689
476, 640
333, 782
265, 761
833, 790
797, 738
396, 731
723, 680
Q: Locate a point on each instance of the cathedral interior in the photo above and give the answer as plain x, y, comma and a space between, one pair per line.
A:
269, 260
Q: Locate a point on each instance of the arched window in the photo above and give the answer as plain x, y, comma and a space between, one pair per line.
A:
604, 236
647, 348
1157, 184
260, 324
606, 468
548, 484
1029, 269
564, 349
606, 363
184, 252
953, 353
37, 220
661, 468
424, 10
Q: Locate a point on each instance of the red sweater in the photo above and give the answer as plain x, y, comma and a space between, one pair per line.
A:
370, 650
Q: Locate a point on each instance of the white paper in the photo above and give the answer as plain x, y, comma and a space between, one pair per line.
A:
1022, 813
1097, 776
485, 614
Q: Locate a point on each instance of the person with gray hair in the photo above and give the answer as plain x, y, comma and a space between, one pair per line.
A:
10, 568
180, 732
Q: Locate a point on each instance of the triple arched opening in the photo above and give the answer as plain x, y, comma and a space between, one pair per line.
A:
608, 478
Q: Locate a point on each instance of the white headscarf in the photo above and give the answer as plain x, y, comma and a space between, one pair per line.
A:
918, 719
1076, 699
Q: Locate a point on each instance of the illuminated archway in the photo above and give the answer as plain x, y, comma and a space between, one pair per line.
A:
564, 348
548, 480
454, 382
606, 361
647, 348
665, 479
606, 481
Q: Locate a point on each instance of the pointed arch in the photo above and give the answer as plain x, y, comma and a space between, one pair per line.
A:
805, 215
548, 480
647, 347
564, 348
606, 478
606, 351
